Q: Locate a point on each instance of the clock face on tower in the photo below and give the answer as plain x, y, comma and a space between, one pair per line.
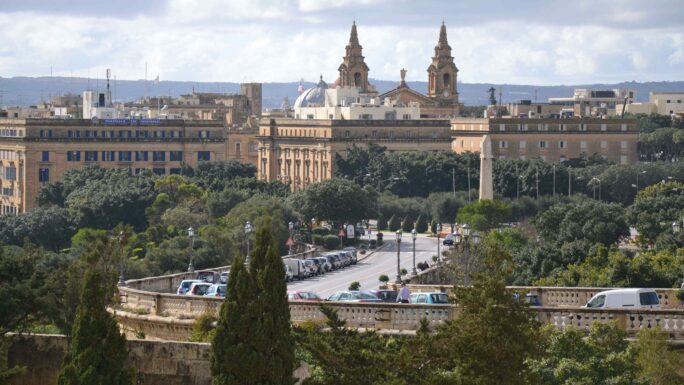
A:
446, 93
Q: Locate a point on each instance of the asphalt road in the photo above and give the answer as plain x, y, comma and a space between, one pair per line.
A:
369, 269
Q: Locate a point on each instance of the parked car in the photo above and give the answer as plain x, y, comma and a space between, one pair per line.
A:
353, 252
303, 296
337, 261
385, 295
289, 276
354, 296
216, 290
224, 277
311, 267
433, 298
199, 288
299, 269
320, 269
185, 285
331, 260
327, 266
344, 259
625, 298
448, 240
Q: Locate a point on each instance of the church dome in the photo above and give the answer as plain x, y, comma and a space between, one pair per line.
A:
313, 97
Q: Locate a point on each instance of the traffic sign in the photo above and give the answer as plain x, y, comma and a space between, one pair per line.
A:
290, 242
341, 233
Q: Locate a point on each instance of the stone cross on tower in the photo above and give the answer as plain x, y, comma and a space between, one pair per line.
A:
486, 175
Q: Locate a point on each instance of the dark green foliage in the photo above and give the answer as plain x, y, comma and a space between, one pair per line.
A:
421, 224
444, 206
433, 226
321, 231
49, 227
489, 312
98, 351
407, 174
253, 344
657, 363
382, 222
394, 223
389, 205
214, 175
383, 278
587, 220
354, 285
604, 357
485, 214
337, 200
656, 207
407, 225
331, 242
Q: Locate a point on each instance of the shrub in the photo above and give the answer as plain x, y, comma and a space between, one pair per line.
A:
383, 278
680, 294
203, 327
382, 222
433, 226
320, 231
407, 225
394, 223
331, 242
403, 271
354, 285
421, 224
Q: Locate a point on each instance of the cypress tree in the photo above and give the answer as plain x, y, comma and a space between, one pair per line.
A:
98, 349
421, 224
253, 344
407, 225
382, 222
394, 223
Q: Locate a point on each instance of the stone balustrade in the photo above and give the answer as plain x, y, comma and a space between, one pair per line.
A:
560, 296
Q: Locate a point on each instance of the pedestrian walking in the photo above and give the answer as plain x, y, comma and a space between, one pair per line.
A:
404, 294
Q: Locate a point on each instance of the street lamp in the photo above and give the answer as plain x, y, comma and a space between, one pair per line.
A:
414, 235
191, 234
122, 265
637, 179
290, 241
398, 280
439, 230
248, 231
599, 182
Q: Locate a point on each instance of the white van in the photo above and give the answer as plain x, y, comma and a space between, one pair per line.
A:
625, 299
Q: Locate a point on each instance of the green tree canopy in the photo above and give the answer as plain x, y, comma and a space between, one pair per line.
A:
337, 200
656, 207
484, 214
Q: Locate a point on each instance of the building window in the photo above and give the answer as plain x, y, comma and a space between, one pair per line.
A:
562, 144
604, 144
10, 173
90, 156
623, 159
125, 156
159, 170
582, 127
43, 175
503, 144
7, 191
502, 127
176, 156
374, 134
73, 156
158, 156
523, 144
108, 156
604, 127
623, 127
203, 156
42, 133
174, 171
141, 156
347, 134
583, 144
237, 148
407, 116
45, 156
523, 157
49, 133
542, 144
623, 144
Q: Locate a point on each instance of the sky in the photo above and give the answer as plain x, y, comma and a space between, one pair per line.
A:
540, 42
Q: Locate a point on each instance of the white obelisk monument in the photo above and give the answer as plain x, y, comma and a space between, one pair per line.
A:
486, 178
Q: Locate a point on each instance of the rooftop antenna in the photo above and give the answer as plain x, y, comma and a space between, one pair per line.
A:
108, 74
500, 95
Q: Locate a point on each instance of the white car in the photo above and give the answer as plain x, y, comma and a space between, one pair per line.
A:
199, 288
185, 284
625, 299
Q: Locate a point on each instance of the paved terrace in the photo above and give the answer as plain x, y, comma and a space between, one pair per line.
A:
149, 306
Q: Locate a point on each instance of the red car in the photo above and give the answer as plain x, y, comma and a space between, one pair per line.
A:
302, 296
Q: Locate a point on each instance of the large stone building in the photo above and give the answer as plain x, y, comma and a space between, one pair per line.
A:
34, 152
551, 140
587, 102
663, 103
330, 120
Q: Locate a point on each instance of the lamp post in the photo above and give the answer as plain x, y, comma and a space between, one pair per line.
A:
191, 234
398, 280
464, 242
313, 223
248, 231
599, 183
414, 235
637, 179
439, 230
290, 226
122, 265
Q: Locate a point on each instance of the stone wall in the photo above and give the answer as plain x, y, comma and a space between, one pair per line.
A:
155, 362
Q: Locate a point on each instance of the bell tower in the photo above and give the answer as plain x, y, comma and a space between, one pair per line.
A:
353, 70
442, 72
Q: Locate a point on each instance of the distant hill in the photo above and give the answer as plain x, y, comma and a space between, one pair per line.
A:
24, 91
